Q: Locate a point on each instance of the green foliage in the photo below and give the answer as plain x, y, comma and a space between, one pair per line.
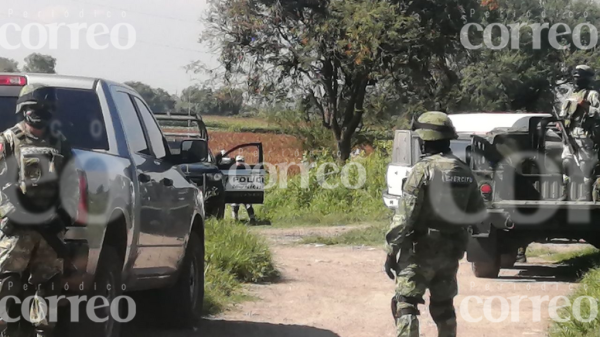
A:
525, 78
306, 198
370, 236
38, 63
157, 99
231, 247
8, 65
310, 132
589, 286
233, 256
336, 55
224, 101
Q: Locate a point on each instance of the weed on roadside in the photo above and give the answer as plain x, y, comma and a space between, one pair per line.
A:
233, 256
373, 235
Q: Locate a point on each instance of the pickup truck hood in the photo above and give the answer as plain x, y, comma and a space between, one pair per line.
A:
198, 169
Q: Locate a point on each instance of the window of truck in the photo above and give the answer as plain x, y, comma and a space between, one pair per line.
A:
79, 117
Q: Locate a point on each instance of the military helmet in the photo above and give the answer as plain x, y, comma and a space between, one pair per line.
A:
434, 125
583, 70
37, 97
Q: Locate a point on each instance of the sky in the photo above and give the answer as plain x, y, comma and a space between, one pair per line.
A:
165, 39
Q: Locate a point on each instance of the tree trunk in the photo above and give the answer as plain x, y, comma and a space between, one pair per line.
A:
344, 148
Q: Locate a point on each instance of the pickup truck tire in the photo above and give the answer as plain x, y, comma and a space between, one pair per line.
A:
181, 304
486, 269
108, 272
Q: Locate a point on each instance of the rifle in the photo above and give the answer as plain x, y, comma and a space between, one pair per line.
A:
568, 139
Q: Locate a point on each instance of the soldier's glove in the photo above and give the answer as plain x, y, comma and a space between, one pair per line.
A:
391, 266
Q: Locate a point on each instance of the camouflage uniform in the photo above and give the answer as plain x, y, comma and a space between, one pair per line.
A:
23, 249
581, 112
440, 199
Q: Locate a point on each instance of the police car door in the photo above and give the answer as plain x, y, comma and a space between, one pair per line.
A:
245, 186
405, 154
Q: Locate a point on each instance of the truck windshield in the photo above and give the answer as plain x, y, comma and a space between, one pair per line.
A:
79, 118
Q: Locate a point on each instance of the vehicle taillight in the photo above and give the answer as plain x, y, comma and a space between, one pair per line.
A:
12, 80
82, 207
485, 189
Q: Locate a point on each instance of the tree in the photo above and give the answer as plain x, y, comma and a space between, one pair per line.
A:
335, 53
229, 101
8, 65
526, 78
158, 99
198, 100
39, 63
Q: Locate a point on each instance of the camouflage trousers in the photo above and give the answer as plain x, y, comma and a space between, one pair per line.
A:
433, 265
26, 251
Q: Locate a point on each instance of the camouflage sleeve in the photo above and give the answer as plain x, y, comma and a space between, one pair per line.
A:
409, 207
6, 147
594, 101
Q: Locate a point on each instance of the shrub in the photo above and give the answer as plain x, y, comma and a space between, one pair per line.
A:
233, 256
315, 203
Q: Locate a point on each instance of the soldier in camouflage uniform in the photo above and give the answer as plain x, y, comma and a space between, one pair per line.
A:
582, 120
428, 234
24, 250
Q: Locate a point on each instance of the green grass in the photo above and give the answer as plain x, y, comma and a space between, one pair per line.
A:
326, 199
240, 124
542, 252
233, 256
369, 236
587, 264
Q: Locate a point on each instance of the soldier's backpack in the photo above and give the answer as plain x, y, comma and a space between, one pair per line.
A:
39, 169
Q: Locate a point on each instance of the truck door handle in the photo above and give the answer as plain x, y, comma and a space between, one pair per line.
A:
167, 182
144, 178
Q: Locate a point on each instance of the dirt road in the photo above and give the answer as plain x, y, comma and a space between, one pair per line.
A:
343, 291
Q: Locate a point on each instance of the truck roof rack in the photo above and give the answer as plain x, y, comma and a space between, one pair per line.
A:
201, 127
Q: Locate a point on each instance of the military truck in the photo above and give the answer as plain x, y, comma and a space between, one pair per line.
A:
519, 171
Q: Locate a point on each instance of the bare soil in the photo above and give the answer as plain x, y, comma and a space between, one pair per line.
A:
343, 291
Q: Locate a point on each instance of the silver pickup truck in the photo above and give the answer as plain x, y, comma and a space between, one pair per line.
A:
140, 222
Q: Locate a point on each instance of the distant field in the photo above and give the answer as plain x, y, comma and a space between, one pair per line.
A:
277, 149
240, 124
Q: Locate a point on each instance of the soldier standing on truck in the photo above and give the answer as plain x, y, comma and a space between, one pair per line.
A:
428, 234
580, 112
32, 160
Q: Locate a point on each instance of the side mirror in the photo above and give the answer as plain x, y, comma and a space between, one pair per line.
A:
194, 151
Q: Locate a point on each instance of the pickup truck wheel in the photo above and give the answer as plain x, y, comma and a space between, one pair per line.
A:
107, 285
486, 269
182, 303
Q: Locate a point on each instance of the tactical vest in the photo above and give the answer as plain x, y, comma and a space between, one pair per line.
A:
575, 111
39, 166
449, 193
